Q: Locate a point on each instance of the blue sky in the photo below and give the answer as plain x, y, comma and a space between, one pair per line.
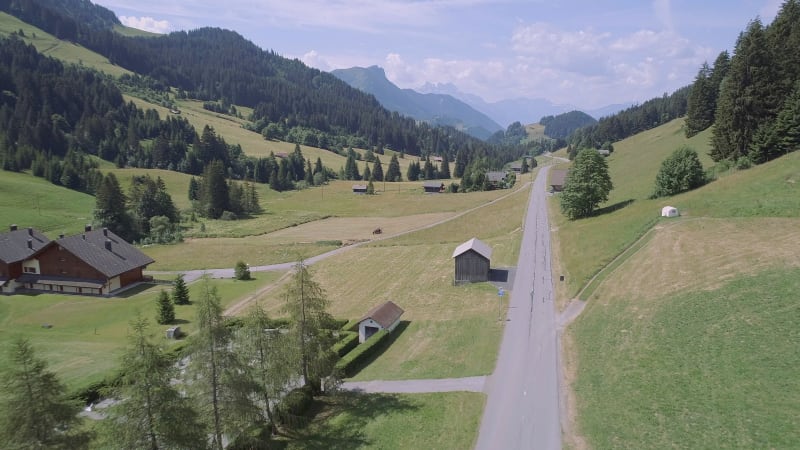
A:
585, 53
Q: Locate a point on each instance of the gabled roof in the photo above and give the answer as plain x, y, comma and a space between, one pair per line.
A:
362, 187
433, 184
557, 177
90, 247
14, 244
385, 315
476, 245
495, 177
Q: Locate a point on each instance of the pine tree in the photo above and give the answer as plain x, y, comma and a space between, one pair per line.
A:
306, 305
180, 293
393, 172
241, 271
461, 164
370, 188
701, 104
367, 172
110, 209
194, 189
587, 185
524, 168
152, 414
377, 170
35, 412
445, 170
166, 309
214, 198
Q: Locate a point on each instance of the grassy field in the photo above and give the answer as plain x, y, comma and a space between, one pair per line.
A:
49, 45
589, 244
350, 421
451, 331
706, 368
29, 201
88, 333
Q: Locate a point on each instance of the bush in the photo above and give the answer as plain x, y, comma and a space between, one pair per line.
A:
352, 361
352, 325
295, 404
242, 271
680, 172
255, 437
348, 341
337, 324
228, 215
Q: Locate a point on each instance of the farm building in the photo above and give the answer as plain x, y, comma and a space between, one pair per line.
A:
359, 188
472, 261
96, 262
434, 186
381, 317
669, 211
15, 247
557, 178
516, 167
495, 179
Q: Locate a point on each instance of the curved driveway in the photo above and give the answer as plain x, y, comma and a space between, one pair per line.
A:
522, 409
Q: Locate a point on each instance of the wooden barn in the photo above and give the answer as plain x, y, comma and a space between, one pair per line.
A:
359, 188
472, 260
557, 178
381, 317
433, 186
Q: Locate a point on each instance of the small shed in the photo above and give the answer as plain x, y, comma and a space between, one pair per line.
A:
433, 186
359, 188
174, 333
669, 211
381, 317
472, 260
557, 178
516, 167
495, 178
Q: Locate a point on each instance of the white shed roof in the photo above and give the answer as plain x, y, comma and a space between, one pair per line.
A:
479, 246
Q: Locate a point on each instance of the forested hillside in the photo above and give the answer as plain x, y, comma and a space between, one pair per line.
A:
753, 98
287, 96
562, 125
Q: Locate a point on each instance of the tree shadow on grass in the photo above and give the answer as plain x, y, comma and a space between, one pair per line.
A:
383, 346
611, 208
338, 421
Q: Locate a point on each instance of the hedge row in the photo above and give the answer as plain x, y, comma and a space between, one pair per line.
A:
348, 340
351, 325
351, 362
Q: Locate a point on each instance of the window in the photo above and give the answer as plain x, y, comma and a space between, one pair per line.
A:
30, 269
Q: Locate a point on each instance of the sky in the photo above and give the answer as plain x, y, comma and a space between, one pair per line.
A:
583, 53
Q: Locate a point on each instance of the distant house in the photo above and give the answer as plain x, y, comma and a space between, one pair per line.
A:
381, 317
15, 247
604, 152
557, 178
472, 260
436, 159
433, 186
359, 188
281, 155
516, 167
96, 262
495, 179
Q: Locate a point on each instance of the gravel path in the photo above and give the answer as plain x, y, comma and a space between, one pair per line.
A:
469, 384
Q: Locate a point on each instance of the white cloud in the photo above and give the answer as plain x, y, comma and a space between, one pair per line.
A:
146, 24
663, 11
313, 59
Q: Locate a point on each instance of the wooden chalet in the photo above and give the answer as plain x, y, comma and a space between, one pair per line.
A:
15, 247
96, 262
359, 188
495, 179
381, 317
472, 260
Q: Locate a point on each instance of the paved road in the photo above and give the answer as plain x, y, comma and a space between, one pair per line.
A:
522, 409
469, 384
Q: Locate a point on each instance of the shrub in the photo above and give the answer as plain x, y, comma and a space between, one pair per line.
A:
337, 324
228, 215
347, 342
680, 172
242, 271
294, 405
352, 325
352, 362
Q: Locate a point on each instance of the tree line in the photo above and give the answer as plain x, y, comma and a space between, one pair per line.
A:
753, 97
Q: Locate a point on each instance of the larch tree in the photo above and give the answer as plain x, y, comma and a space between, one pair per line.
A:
306, 305
393, 171
152, 413
217, 377
586, 186
35, 412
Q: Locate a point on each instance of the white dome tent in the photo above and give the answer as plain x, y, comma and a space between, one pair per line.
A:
669, 211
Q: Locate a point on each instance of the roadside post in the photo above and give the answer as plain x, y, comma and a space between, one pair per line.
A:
500, 294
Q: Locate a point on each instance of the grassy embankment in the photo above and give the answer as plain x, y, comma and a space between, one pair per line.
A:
690, 340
